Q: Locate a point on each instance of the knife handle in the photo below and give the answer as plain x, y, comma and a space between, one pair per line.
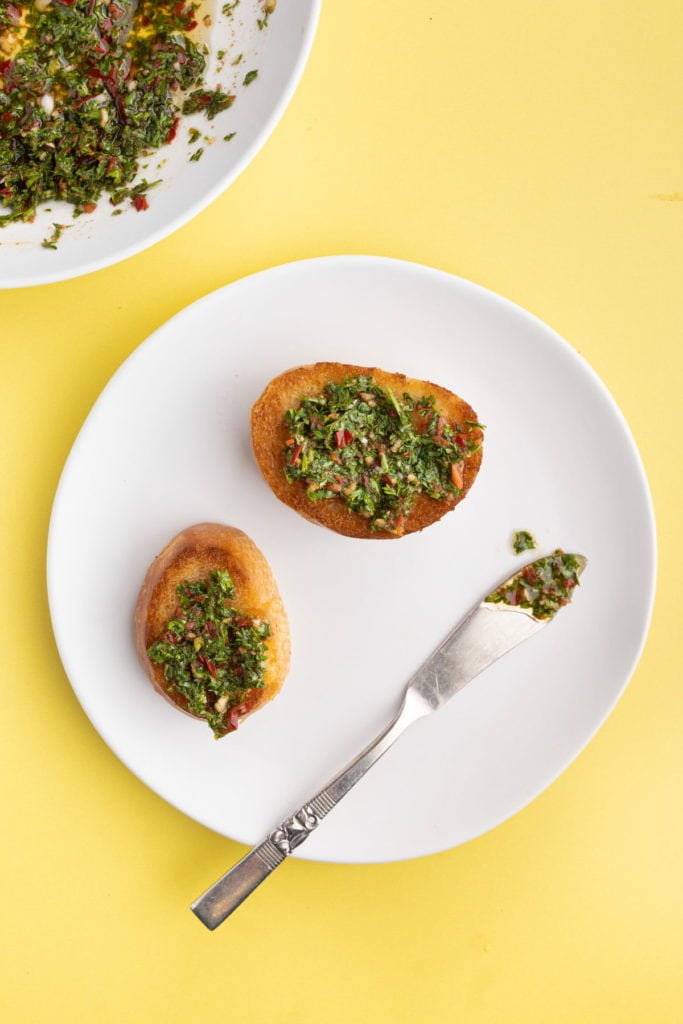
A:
228, 892
225, 895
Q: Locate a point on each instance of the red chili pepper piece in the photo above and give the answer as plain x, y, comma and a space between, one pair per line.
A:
343, 437
209, 665
296, 454
140, 203
456, 476
173, 130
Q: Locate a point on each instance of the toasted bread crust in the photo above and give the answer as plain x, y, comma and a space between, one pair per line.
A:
192, 555
269, 435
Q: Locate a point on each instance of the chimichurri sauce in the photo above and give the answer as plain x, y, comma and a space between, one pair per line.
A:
88, 88
376, 451
543, 587
523, 541
212, 654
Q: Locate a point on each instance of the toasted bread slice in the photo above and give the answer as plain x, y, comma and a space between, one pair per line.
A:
191, 556
270, 435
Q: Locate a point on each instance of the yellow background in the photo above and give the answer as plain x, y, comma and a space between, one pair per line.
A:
535, 147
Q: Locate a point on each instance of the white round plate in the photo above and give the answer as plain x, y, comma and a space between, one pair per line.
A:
167, 444
278, 52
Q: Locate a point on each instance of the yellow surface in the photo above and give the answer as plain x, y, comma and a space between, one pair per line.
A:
534, 147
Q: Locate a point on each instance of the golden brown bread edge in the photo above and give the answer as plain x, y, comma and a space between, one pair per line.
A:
192, 554
269, 434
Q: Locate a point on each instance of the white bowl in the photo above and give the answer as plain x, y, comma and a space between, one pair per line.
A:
279, 53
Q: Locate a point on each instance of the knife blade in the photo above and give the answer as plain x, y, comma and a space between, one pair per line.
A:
514, 611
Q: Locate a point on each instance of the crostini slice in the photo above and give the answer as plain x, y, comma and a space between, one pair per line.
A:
364, 452
211, 629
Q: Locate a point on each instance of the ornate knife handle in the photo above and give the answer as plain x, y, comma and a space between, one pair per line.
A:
225, 895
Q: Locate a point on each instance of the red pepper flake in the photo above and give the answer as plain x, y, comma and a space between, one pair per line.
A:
140, 202
234, 718
173, 130
343, 437
296, 454
209, 665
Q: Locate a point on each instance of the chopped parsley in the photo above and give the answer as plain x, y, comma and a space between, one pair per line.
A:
207, 101
375, 451
543, 587
88, 88
250, 76
213, 654
523, 541
51, 242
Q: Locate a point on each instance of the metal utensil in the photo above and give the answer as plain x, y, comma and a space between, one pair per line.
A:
501, 621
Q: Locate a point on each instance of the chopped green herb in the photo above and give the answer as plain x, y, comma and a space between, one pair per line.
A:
193, 135
523, 541
198, 153
361, 444
51, 242
250, 76
213, 654
237, 60
229, 8
207, 101
88, 88
263, 22
226, 138
543, 587
136, 193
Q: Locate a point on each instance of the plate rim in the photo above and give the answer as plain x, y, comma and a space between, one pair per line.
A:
467, 285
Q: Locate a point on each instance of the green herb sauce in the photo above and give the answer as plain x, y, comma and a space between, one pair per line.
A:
523, 541
544, 587
376, 451
212, 653
88, 88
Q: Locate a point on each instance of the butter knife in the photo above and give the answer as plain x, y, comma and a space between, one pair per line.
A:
516, 610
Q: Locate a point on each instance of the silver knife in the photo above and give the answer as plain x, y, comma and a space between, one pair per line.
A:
514, 611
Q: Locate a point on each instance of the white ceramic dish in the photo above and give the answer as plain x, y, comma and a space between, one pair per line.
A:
168, 444
279, 53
